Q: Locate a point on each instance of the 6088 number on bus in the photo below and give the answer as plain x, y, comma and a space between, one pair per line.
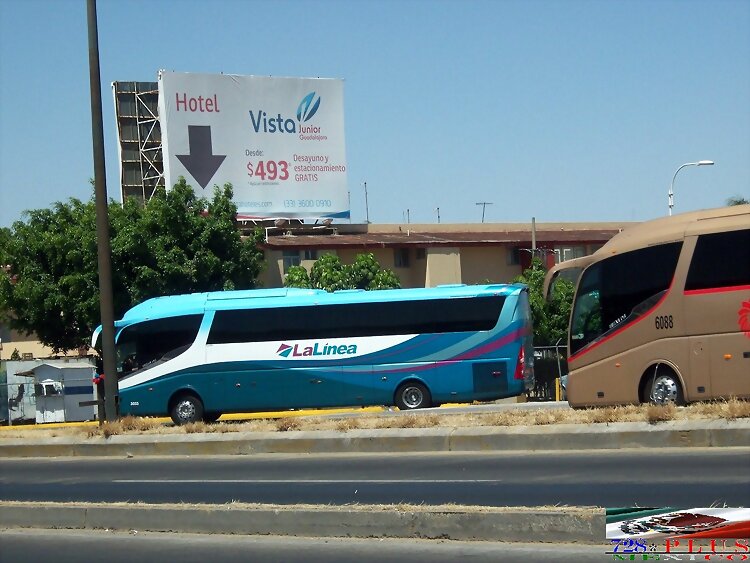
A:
663, 322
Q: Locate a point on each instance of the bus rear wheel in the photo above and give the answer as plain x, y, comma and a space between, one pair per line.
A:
185, 409
413, 395
665, 388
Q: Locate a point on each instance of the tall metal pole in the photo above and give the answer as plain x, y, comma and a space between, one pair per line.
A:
367, 206
102, 221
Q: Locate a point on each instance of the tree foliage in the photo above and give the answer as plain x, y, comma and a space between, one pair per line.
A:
550, 316
176, 243
331, 274
737, 200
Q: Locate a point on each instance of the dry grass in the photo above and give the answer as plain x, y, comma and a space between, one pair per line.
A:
287, 424
400, 507
660, 413
346, 424
731, 409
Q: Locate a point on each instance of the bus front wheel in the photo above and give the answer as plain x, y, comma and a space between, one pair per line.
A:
186, 408
413, 395
665, 388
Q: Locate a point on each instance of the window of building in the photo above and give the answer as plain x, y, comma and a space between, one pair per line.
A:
720, 260
421, 253
311, 254
564, 253
401, 257
513, 256
291, 258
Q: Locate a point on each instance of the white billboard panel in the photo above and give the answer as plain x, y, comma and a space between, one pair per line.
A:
279, 141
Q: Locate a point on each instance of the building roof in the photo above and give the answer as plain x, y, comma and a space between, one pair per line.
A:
355, 236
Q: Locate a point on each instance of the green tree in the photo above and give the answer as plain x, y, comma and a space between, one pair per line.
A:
176, 243
550, 316
4, 241
297, 276
330, 273
737, 200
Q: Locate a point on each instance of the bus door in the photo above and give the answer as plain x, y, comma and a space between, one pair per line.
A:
717, 303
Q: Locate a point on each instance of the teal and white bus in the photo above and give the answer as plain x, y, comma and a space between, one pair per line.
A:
198, 356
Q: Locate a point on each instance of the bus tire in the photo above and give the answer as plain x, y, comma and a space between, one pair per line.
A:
664, 387
209, 417
413, 395
186, 408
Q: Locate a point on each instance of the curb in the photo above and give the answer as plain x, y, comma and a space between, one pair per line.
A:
585, 525
682, 434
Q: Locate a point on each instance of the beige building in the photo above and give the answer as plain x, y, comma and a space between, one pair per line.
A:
434, 254
28, 347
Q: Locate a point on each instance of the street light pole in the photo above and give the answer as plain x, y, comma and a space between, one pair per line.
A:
671, 186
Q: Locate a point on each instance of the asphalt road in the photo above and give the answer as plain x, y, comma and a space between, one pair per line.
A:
678, 477
17, 546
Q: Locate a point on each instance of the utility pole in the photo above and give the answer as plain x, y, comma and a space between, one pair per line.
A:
102, 222
438, 214
484, 205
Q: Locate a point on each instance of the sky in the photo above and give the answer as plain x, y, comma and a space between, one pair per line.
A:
559, 110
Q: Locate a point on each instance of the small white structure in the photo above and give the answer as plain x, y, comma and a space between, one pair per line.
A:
59, 387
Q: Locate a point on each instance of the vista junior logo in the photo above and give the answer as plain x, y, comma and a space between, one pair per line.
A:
307, 108
317, 349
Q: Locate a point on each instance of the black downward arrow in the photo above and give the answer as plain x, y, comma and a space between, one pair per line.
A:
201, 162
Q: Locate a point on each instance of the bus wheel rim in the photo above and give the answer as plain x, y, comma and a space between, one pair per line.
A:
665, 391
186, 410
412, 397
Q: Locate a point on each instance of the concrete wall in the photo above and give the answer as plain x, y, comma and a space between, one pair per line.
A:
480, 265
443, 266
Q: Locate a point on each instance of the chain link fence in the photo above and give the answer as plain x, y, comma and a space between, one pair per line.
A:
550, 367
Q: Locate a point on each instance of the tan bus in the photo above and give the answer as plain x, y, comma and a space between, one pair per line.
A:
661, 312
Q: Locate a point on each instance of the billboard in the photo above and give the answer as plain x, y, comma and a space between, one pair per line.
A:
279, 141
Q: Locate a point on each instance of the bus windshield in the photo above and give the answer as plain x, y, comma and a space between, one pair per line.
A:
569, 270
148, 342
618, 290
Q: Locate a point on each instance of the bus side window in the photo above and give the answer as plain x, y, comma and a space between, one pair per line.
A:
720, 260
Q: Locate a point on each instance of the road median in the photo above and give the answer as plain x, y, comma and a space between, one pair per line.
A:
670, 434
546, 524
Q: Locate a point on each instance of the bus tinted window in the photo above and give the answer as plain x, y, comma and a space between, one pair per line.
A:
720, 260
149, 341
619, 289
356, 320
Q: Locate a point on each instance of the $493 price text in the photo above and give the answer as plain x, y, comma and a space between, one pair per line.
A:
269, 170
276, 170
